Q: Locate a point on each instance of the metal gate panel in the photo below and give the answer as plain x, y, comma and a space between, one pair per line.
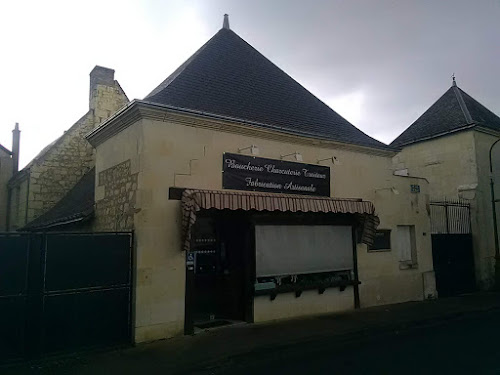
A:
79, 261
453, 264
14, 251
63, 292
96, 318
87, 291
450, 217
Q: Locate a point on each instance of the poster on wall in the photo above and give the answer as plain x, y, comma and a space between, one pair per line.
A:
243, 172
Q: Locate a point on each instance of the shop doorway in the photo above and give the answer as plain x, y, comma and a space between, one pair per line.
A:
219, 281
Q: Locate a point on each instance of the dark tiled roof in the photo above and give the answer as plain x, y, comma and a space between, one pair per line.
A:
77, 204
455, 110
228, 77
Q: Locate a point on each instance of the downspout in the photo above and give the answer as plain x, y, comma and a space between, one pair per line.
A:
495, 228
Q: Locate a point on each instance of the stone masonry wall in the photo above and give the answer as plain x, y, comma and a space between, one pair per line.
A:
62, 166
116, 198
106, 100
5, 175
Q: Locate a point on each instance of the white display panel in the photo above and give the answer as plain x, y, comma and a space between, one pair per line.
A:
300, 249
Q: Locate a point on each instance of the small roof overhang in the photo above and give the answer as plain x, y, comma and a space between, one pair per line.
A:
195, 200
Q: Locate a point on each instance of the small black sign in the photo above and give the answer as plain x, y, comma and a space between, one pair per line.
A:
242, 172
382, 240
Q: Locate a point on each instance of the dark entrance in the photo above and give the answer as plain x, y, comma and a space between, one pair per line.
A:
220, 276
64, 292
452, 250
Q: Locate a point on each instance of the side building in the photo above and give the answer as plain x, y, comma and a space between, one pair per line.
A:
449, 145
36, 188
9, 163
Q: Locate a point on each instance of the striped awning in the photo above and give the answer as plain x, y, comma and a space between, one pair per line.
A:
196, 200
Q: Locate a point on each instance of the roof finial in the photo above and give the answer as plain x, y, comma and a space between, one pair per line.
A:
225, 24
453, 77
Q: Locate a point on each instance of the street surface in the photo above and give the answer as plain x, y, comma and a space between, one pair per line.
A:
457, 335
465, 346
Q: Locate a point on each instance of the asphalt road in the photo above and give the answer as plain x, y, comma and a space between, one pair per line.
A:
469, 345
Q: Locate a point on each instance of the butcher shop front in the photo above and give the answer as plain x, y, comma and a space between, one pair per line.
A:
250, 255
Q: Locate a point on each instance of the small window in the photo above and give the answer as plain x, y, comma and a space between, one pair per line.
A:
406, 244
382, 241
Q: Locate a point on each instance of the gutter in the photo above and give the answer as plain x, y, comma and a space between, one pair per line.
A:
466, 127
58, 222
255, 125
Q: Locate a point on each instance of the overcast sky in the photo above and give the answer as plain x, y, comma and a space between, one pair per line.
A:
380, 64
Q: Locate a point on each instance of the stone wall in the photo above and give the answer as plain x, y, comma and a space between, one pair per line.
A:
56, 171
18, 203
116, 198
106, 100
5, 175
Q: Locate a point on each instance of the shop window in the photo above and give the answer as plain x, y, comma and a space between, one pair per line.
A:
406, 244
382, 241
283, 250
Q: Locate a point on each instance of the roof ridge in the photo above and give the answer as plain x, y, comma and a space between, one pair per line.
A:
462, 104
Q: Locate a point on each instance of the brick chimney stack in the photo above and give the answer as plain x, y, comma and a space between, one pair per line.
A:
16, 136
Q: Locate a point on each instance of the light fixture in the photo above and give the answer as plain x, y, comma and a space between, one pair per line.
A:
333, 159
254, 150
297, 155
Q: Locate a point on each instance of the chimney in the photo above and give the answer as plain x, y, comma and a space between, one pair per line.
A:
100, 76
16, 136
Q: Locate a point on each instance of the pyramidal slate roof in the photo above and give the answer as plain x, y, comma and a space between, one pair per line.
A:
228, 77
454, 111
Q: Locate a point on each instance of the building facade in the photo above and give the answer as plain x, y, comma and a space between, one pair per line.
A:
450, 145
208, 252
58, 167
8, 166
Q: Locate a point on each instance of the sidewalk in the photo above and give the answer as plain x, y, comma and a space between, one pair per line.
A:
181, 354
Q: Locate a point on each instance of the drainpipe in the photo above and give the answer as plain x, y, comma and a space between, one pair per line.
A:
495, 228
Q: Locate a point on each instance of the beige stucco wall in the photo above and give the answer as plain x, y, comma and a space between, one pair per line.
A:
310, 302
446, 162
383, 280
5, 175
457, 166
170, 153
483, 216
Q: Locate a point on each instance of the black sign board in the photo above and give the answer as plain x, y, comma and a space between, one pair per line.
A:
382, 240
243, 172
